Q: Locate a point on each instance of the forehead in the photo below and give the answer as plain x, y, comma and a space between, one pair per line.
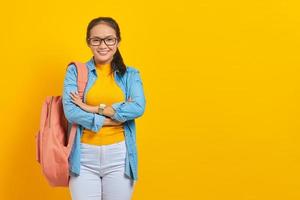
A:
102, 30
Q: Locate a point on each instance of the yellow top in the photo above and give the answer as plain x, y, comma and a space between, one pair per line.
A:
105, 90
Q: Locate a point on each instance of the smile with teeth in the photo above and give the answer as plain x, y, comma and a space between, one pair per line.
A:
102, 52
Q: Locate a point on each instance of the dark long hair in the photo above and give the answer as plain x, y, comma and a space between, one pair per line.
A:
117, 63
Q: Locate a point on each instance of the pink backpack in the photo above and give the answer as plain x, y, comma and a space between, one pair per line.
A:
53, 146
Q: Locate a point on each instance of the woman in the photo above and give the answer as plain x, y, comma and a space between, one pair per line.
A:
103, 161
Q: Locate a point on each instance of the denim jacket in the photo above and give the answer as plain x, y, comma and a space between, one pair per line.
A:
132, 86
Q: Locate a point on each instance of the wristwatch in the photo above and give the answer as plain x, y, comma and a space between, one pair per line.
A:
101, 108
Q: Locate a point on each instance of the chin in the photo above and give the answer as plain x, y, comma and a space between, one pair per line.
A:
103, 59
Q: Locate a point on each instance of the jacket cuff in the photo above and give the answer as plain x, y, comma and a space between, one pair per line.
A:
116, 116
98, 122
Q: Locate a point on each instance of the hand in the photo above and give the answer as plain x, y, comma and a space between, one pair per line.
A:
109, 111
76, 98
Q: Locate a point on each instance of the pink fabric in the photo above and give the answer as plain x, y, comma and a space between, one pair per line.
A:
53, 147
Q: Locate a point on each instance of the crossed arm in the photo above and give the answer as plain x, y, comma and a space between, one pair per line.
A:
108, 110
116, 113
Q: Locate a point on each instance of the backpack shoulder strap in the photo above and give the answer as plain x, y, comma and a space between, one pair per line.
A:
82, 78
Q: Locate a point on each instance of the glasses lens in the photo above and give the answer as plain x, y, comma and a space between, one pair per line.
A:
94, 41
110, 41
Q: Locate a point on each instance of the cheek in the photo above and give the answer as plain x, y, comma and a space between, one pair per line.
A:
114, 51
93, 50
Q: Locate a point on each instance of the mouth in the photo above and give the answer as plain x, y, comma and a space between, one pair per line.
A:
102, 53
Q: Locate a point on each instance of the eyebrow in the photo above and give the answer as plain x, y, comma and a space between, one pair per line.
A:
100, 37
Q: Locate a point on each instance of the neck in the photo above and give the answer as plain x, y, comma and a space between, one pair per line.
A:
104, 69
101, 63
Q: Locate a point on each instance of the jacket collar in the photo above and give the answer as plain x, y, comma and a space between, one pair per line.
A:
91, 64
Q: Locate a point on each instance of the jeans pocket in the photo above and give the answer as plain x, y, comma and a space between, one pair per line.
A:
119, 147
120, 151
86, 149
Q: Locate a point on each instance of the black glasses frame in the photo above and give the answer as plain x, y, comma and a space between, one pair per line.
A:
103, 40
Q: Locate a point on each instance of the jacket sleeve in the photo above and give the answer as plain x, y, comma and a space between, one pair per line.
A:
130, 110
73, 113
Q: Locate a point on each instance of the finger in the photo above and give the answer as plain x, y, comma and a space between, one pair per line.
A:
76, 94
72, 95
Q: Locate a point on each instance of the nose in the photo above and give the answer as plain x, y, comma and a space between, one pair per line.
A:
102, 44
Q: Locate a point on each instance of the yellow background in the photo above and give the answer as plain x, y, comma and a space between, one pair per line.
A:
221, 80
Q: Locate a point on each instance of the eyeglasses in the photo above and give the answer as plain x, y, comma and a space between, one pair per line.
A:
96, 41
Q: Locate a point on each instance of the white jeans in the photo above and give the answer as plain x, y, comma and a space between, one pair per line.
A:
102, 174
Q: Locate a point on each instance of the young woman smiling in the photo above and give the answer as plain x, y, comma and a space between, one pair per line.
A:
103, 161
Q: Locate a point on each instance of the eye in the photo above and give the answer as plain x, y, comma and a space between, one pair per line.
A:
109, 39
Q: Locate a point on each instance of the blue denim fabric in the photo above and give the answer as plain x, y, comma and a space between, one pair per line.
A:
132, 86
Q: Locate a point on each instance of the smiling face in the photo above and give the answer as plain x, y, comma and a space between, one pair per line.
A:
103, 53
